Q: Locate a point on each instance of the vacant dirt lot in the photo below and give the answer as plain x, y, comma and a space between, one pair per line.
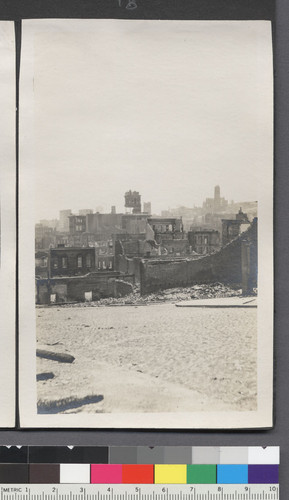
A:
148, 358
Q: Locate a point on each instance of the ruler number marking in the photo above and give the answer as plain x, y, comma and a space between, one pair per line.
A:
139, 492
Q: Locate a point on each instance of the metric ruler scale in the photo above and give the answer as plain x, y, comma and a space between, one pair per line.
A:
140, 492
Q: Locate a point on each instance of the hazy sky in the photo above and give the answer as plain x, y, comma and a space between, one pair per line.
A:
167, 108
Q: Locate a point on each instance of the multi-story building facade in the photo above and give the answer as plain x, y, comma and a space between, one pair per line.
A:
44, 237
77, 224
65, 261
204, 241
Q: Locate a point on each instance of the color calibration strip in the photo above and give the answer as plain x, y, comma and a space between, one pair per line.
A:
139, 465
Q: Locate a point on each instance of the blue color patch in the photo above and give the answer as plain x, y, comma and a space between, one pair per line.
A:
232, 474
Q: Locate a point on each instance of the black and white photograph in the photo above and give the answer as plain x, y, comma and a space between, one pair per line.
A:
146, 224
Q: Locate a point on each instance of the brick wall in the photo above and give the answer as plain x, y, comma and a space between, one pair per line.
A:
131, 266
70, 257
122, 288
73, 289
176, 246
224, 266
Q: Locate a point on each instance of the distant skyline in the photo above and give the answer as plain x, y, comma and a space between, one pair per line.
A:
166, 108
124, 209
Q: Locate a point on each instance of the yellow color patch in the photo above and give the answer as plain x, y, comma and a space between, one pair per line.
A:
170, 473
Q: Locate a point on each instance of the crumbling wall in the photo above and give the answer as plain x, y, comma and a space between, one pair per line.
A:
128, 265
122, 288
224, 266
74, 289
100, 288
131, 247
41, 271
176, 246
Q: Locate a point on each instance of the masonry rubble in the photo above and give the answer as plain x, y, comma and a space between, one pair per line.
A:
215, 290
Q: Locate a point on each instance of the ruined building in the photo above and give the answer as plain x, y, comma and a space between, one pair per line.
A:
235, 264
169, 234
232, 228
204, 241
65, 261
44, 237
167, 227
77, 224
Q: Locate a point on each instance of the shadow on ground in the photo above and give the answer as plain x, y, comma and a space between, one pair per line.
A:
44, 376
66, 404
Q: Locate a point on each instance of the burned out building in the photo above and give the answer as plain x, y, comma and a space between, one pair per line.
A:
77, 224
71, 261
134, 223
104, 224
113, 223
160, 237
167, 226
232, 228
235, 264
78, 261
137, 248
41, 263
75, 240
214, 220
104, 262
94, 286
204, 241
44, 237
77, 274
169, 235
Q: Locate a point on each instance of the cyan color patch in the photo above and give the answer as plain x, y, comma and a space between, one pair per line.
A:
232, 474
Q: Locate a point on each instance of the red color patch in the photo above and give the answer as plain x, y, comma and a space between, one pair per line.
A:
137, 474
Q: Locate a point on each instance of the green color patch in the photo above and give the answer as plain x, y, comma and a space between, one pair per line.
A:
201, 474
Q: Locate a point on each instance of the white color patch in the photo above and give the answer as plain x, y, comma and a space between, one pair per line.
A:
74, 473
269, 455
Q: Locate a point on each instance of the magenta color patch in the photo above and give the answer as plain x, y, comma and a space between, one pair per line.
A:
106, 473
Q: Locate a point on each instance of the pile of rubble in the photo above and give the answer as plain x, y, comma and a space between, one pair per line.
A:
170, 295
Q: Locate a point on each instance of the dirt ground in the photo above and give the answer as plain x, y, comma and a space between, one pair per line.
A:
150, 358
